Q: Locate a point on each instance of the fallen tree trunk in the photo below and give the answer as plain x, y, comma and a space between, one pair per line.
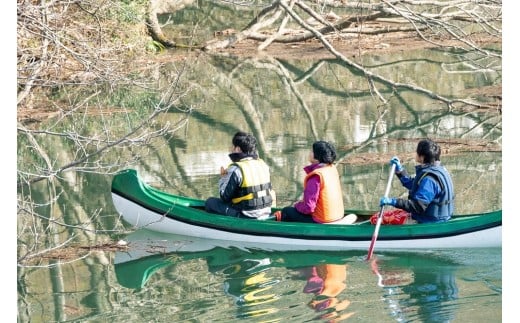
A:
157, 7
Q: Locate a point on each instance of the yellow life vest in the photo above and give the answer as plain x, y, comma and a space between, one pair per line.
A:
255, 192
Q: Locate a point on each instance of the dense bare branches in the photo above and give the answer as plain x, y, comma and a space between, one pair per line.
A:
467, 29
73, 59
68, 42
434, 21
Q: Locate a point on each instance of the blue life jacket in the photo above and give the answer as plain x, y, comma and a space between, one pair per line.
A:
442, 206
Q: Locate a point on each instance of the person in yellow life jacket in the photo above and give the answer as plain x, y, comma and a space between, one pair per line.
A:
245, 185
322, 195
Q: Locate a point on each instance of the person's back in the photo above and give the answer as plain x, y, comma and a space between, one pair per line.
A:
245, 186
431, 196
322, 194
441, 206
253, 196
329, 206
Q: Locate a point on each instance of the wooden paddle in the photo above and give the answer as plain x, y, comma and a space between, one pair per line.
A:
380, 216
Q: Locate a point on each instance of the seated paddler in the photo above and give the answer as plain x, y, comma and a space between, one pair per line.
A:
431, 195
322, 200
245, 185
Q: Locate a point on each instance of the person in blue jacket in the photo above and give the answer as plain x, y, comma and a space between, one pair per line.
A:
431, 195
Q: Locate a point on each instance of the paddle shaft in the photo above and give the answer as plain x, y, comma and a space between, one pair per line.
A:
380, 216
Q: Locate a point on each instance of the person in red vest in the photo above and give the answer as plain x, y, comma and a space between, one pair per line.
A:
322, 195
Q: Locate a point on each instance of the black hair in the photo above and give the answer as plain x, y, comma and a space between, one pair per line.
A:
246, 142
324, 152
430, 150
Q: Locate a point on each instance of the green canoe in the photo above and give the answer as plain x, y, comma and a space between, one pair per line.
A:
143, 206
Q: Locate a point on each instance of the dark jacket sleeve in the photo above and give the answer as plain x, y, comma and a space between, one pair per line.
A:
228, 189
413, 206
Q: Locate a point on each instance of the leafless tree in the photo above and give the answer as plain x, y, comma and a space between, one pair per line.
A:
73, 59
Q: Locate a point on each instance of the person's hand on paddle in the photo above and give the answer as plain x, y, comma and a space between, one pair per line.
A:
387, 201
395, 161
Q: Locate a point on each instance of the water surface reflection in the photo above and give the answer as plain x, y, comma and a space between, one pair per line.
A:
238, 283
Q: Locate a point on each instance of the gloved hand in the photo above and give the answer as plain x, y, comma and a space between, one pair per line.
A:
387, 201
397, 163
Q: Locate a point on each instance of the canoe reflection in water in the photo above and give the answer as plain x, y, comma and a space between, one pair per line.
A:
429, 293
254, 279
326, 282
270, 285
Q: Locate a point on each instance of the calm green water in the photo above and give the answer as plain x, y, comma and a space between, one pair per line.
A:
320, 100
209, 281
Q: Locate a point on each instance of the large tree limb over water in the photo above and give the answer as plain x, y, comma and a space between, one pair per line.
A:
431, 20
461, 26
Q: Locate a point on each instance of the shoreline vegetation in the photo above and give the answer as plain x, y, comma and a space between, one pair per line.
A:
93, 43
